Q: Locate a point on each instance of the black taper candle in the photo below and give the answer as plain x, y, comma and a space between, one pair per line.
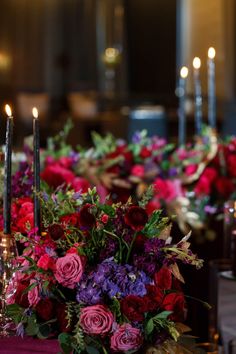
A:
7, 174
37, 216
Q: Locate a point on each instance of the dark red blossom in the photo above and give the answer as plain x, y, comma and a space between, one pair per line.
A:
45, 309
133, 307
55, 231
136, 217
86, 216
163, 279
175, 302
70, 219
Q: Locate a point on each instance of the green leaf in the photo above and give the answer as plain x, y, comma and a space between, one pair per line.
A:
163, 315
32, 327
65, 341
15, 312
92, 350
149, 327
44, 331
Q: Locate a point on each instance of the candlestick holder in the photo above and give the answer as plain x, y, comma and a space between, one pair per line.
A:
8, 254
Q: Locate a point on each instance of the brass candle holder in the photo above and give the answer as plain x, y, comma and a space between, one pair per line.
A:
8, 254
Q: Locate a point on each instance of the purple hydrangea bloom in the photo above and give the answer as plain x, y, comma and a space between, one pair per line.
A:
111, 280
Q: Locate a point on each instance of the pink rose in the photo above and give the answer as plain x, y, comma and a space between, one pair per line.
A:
33, 294
138, 171
126, 338
45, 262
69, 270
96, 319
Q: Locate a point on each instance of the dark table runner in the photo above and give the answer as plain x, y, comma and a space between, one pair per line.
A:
13, 345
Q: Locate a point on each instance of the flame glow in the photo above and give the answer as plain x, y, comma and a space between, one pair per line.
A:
196, 63
35, 112
184, 72
211, 53
8, 110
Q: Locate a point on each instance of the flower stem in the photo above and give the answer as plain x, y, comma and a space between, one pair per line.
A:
131, 247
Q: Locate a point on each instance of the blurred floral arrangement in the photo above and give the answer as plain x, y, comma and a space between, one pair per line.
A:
104, 277
191, 182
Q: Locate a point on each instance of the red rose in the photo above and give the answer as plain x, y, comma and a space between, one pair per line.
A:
136, 217
21, 298
70, 219
26, 223
62, 320
138, 171
154, 297
175, 302
56, 175
46, 262
86, 217
203, 186
231, 163
55, 231
224, 186
163, 278
133, 308
152, 206
80, 184
145, 152
65, 162
45, 309
104, 218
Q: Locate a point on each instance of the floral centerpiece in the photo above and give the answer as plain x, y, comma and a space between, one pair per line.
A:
105, 278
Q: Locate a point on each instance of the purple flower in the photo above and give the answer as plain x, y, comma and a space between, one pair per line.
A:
137, 138
111, 280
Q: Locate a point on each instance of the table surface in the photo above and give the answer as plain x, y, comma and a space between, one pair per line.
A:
227, 309
13, 345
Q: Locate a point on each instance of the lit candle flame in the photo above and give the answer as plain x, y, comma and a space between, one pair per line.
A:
184, 72
196, 63
211, 53
35, 112
8, 110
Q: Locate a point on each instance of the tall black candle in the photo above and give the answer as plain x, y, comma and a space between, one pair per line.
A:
197, 95
37, 217
7, 173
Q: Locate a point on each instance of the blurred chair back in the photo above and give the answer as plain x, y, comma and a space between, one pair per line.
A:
25, 103
151, 118
83, 105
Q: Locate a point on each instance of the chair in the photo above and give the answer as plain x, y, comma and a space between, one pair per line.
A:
83, 105
25, 103
151, 118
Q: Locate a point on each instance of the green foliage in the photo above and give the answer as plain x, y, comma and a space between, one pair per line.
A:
103, 145
146, 197
161, 322
57, 145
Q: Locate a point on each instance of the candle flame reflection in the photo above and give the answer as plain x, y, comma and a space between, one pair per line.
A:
35, 112
8, 110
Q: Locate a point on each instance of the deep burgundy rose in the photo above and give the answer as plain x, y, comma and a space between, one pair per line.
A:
55, 175
45, 309
175, 302
62, 320
154, 297
70, 219
86, 217
136, 217
224, 186
163, 279
56, 232
139, 242
133, 307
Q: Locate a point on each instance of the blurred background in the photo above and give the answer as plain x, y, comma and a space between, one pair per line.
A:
102, 62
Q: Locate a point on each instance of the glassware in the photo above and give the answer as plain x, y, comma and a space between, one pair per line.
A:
8, 254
